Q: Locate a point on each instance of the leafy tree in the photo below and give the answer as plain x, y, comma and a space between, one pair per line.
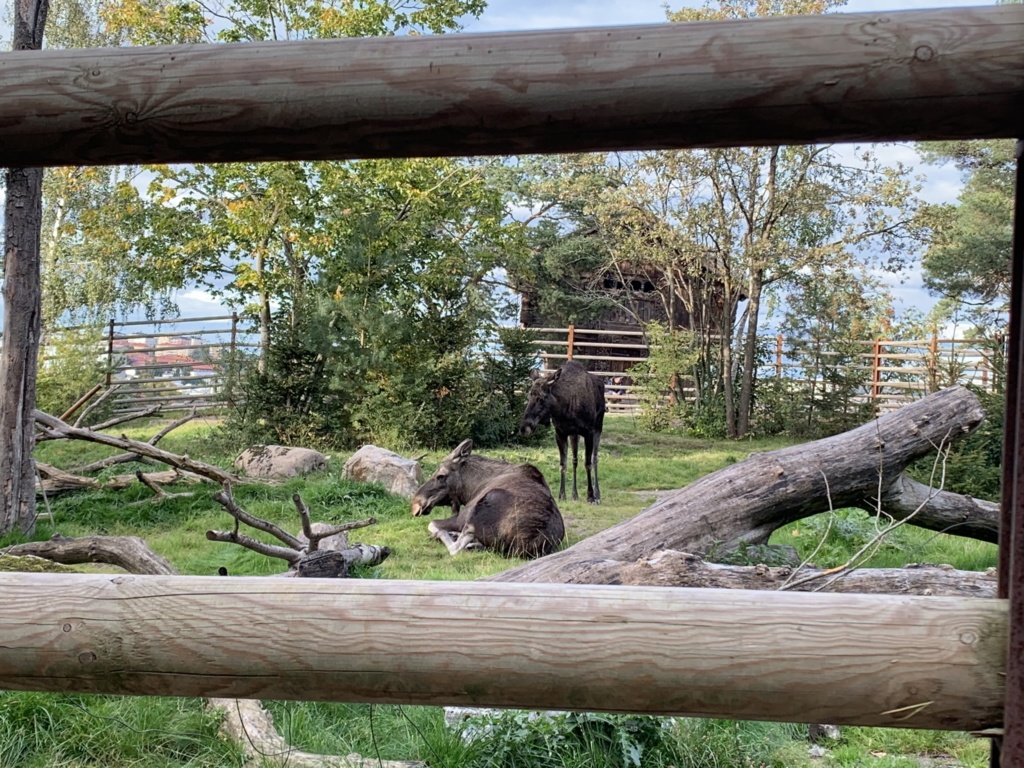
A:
377, 277
564, 268
828, 310
968, 257
717, 232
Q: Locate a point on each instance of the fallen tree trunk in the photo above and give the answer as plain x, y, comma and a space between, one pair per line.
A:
747, 501
249, 724
680, 569
56, 481
127, 552
939, 510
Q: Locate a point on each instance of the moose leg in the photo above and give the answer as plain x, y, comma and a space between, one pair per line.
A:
574, 440
561, 440
466, 540
445, 530
590, 444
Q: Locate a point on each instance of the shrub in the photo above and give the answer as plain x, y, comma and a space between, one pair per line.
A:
69, 366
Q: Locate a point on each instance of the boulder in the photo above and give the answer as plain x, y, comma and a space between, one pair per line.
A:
398, 474
279, 462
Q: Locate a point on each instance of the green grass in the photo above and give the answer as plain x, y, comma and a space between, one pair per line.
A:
46, 729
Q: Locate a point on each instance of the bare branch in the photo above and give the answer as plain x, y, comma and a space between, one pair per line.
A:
109, 393
124, 458
172, 426
126, 417
270, 550
225, 499
54, 427
307, 529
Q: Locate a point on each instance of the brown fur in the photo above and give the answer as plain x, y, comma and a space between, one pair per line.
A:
505, 507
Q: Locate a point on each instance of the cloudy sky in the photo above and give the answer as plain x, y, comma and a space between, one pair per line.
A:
509, 15
941, 184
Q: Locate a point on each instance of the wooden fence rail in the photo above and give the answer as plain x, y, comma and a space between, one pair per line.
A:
882, 372
927, 74
901, 661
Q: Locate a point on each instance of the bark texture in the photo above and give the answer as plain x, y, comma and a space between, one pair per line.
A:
680, 569
747, 501
23, 214
248, 723
127, 552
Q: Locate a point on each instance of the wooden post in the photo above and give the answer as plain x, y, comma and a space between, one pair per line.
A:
572, 339
110, 354
921, 75
1011, 528
876, 373
888, 660
80, 402
778, 356
933, 362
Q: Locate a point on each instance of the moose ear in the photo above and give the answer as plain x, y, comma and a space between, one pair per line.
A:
535, 374
461, 452
552, 378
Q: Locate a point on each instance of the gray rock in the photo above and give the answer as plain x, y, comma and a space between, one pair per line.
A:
371, 464
279, 462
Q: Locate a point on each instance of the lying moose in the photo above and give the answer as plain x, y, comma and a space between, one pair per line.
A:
500, 506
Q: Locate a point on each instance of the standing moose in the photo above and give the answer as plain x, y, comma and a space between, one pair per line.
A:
573, 400
505, 507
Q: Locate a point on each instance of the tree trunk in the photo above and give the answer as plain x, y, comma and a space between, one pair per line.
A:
749, 356
22, 306
746, 502
126, 552
679, 569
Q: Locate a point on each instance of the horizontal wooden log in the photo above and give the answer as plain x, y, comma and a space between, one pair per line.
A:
903, 661
935, 74
670, 568
127, 552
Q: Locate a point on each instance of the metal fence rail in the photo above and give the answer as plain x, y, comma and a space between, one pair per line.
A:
175, 364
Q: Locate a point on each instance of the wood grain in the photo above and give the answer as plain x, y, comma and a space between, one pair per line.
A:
901, 661
937, 74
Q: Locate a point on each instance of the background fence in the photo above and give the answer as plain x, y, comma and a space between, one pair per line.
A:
194, 362
175, 364
887, 373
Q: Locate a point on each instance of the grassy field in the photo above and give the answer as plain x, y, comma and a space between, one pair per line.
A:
63, 730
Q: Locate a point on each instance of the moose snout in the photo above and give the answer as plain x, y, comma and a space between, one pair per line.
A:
526, 430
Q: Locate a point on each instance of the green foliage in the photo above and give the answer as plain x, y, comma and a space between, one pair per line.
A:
419, 386
518, 738
968, 257
69, 367
40, 730
672, 355
974, 467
